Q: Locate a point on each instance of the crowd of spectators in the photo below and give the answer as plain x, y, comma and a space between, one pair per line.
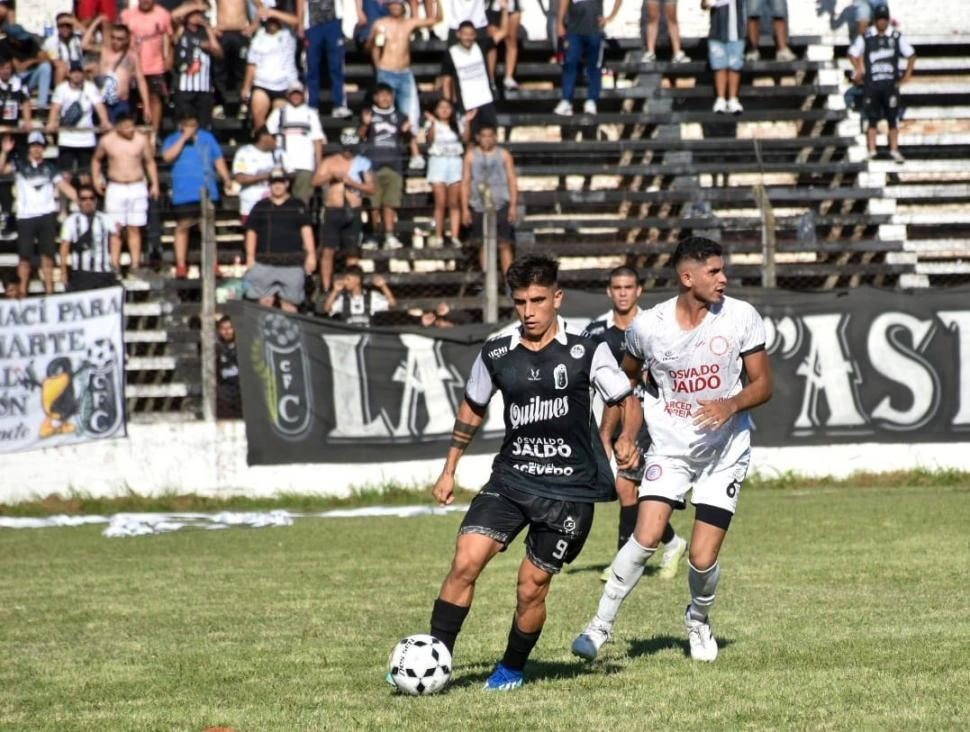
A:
100, 85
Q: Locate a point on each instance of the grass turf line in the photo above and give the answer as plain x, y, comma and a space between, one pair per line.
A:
842, 608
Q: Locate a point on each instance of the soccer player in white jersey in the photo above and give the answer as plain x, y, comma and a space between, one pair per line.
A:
550, 470
696, 347
624, 291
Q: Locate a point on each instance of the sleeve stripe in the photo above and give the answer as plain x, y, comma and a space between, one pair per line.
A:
474, 402
751, 351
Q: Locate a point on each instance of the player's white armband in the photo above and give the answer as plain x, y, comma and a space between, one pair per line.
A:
608, 379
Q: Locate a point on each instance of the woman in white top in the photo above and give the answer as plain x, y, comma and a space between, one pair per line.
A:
446, 148
271, 64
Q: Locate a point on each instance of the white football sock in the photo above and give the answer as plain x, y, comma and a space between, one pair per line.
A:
625, 572
703, 589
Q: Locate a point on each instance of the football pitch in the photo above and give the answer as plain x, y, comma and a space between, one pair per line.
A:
839, 608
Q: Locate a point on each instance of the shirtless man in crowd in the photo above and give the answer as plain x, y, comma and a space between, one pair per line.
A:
117, 68
390, 47
348, 177
130, 155
234, 29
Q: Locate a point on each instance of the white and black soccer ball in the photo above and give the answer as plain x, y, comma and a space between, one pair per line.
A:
419, 665
101, 353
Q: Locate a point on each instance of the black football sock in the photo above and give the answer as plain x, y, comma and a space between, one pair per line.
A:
446, 621
628, 522
669, 534
519, 647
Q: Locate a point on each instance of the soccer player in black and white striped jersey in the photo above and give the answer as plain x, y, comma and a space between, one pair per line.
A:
86, 245
196, 45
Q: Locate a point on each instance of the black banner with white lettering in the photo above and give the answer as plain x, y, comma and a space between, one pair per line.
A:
319, 391
865, 365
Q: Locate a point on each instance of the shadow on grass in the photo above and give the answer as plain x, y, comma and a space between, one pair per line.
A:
649, 570
659, 643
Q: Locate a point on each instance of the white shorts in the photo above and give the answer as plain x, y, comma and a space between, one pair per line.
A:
127, 203
716, 483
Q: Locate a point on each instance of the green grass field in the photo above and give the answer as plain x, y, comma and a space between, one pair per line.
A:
839, 608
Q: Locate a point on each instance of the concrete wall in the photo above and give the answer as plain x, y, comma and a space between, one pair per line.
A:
210, 460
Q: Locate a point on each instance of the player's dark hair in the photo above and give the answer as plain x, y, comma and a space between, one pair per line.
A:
382, 87
124, 117
87, 188
259, 132
355, 269
60, 16
467, 24
625, 271
189, 117
533, 269
486, 126
122, 27
695, 249
224, 319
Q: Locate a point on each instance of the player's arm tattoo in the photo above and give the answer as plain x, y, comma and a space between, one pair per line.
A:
462, 434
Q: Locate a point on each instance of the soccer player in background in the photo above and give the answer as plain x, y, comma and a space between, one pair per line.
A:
696, 346
551, 467
610, 328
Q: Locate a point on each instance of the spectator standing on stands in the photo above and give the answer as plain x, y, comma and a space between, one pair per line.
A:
37, 182
458, 12
488, 166
130, 155
88, 11
16, 112
64, 47
779, 22
582, 23
86, 245
35, 70
347, 178
233, 27
510, 29
196, 45
875, 56
270, 64
353, 303
118, 70
390, 44
725, 44
466, 80
228, 393
300, 138
673, 29
151, 30
196, 160
322, 24
384, 128
280, 252
16, 109
251, 167
446, 150
72, 118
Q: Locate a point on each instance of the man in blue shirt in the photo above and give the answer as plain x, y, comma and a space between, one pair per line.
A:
196, 160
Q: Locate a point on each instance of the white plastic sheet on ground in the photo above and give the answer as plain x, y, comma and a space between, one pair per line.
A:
141, 524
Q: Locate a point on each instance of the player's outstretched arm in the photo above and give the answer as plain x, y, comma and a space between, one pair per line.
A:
469, 419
